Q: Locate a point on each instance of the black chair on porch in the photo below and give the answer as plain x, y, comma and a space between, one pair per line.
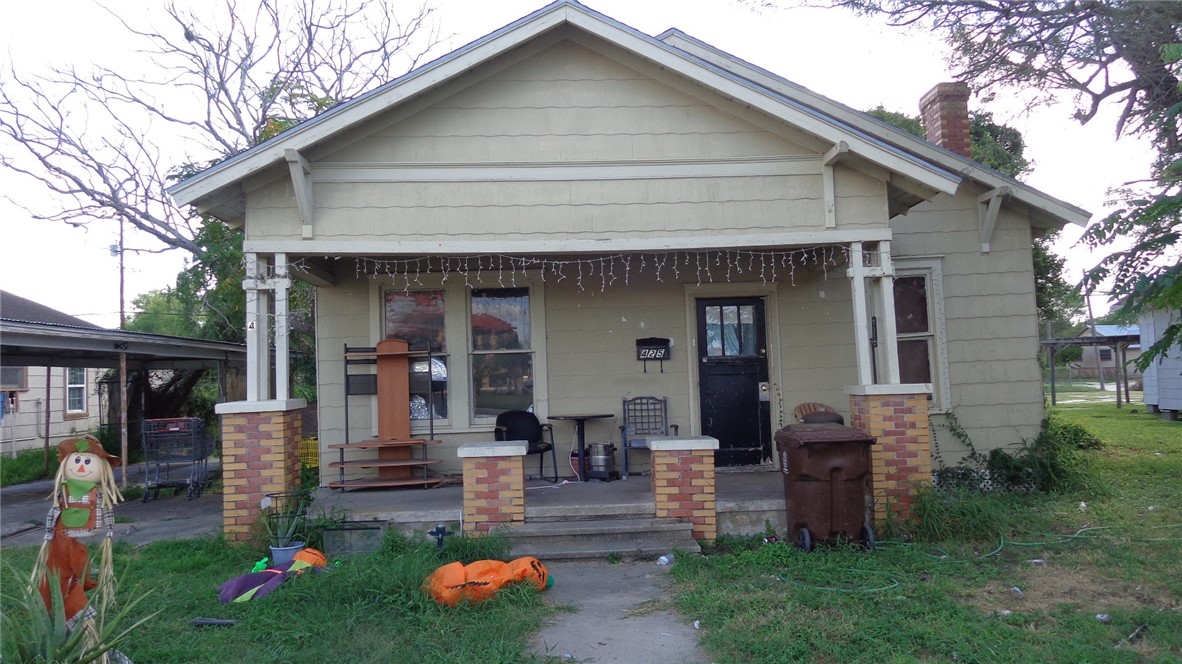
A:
644, 418
524, 425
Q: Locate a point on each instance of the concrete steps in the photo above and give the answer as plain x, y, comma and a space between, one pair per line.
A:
586, 539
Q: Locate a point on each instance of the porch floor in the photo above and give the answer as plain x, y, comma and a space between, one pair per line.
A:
747, 499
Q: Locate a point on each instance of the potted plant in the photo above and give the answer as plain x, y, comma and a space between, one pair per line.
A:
285, 518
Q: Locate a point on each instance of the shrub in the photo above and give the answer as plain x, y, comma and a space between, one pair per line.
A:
1053, 462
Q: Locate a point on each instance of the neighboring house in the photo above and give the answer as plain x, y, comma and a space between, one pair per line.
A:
1163, 377
70, 406
535, 203
1125, 340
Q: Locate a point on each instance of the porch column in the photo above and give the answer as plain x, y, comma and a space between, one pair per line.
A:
887, 337
683, 481
857, 272
901, 460
262, 291
260, 455
876, 268
494, 485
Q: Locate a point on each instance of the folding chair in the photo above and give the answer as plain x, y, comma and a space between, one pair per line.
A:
644, 417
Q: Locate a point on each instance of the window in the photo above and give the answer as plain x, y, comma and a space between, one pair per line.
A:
14, 378
730, 330
919, 326
417, 317
1105, 354
502, 359
916, 339
487, 347
76, 390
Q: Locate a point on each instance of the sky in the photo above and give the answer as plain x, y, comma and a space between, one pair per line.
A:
858, 61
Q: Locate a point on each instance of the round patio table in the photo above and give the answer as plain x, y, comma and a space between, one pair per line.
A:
580, 420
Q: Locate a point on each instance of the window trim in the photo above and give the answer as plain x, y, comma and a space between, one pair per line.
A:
456, 322
933, 270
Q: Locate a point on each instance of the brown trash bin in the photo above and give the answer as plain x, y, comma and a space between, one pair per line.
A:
826, 470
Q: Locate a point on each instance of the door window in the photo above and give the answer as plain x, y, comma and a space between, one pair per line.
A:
730, 330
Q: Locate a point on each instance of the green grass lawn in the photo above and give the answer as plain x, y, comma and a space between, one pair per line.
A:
1115, 550
1118, 556
26, 466
369, 609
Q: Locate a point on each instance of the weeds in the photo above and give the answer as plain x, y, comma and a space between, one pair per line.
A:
28, 466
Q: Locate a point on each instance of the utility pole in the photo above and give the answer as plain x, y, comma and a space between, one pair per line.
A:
122, 365
1095, 349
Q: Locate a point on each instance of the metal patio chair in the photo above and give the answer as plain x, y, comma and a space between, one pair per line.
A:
644, 418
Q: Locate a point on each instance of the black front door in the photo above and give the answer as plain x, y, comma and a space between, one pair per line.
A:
732, 377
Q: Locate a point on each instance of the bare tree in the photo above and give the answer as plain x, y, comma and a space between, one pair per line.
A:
1097, 50
107, 142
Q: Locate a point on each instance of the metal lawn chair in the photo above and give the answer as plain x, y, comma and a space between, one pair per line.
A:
644, 417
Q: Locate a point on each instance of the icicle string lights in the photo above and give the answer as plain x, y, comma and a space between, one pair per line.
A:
706, 267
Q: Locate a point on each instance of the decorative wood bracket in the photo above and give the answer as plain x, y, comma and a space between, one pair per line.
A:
833, 156
988, 214
300, 170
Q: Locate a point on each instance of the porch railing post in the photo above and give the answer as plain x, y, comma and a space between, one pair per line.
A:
494, 485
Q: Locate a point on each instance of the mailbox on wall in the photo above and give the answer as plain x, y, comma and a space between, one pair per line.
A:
654, 348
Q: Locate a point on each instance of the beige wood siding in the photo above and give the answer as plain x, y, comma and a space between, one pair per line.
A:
567, 144
815, 338
989, 319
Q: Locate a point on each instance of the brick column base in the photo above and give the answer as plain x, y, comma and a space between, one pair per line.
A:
260, 455
902, 458
494, 485
683, 482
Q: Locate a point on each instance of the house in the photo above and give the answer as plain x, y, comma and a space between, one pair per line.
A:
62, 398
1125, 347
1163, 377
533, 204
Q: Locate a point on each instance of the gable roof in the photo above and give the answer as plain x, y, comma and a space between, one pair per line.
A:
16, 308
924, 171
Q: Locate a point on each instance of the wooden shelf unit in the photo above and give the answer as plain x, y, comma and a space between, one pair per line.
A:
401, 459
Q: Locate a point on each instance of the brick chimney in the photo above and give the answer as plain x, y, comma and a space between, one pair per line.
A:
945, 113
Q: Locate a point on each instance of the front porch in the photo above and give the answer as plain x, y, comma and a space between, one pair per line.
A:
747, 499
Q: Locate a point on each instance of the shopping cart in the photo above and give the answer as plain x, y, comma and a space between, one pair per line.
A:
176, 456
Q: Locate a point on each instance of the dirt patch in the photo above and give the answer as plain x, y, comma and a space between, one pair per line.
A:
1045, 587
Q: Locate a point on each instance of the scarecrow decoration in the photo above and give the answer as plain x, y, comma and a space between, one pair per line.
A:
480, 580
84, 497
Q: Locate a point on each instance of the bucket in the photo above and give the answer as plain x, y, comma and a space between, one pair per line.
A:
603, 457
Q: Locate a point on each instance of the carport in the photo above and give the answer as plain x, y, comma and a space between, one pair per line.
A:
37, 336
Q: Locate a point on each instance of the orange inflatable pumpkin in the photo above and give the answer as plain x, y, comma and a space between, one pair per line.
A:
454, 582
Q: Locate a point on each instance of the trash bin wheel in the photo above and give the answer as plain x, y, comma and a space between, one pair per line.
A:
804, 540
868, 540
